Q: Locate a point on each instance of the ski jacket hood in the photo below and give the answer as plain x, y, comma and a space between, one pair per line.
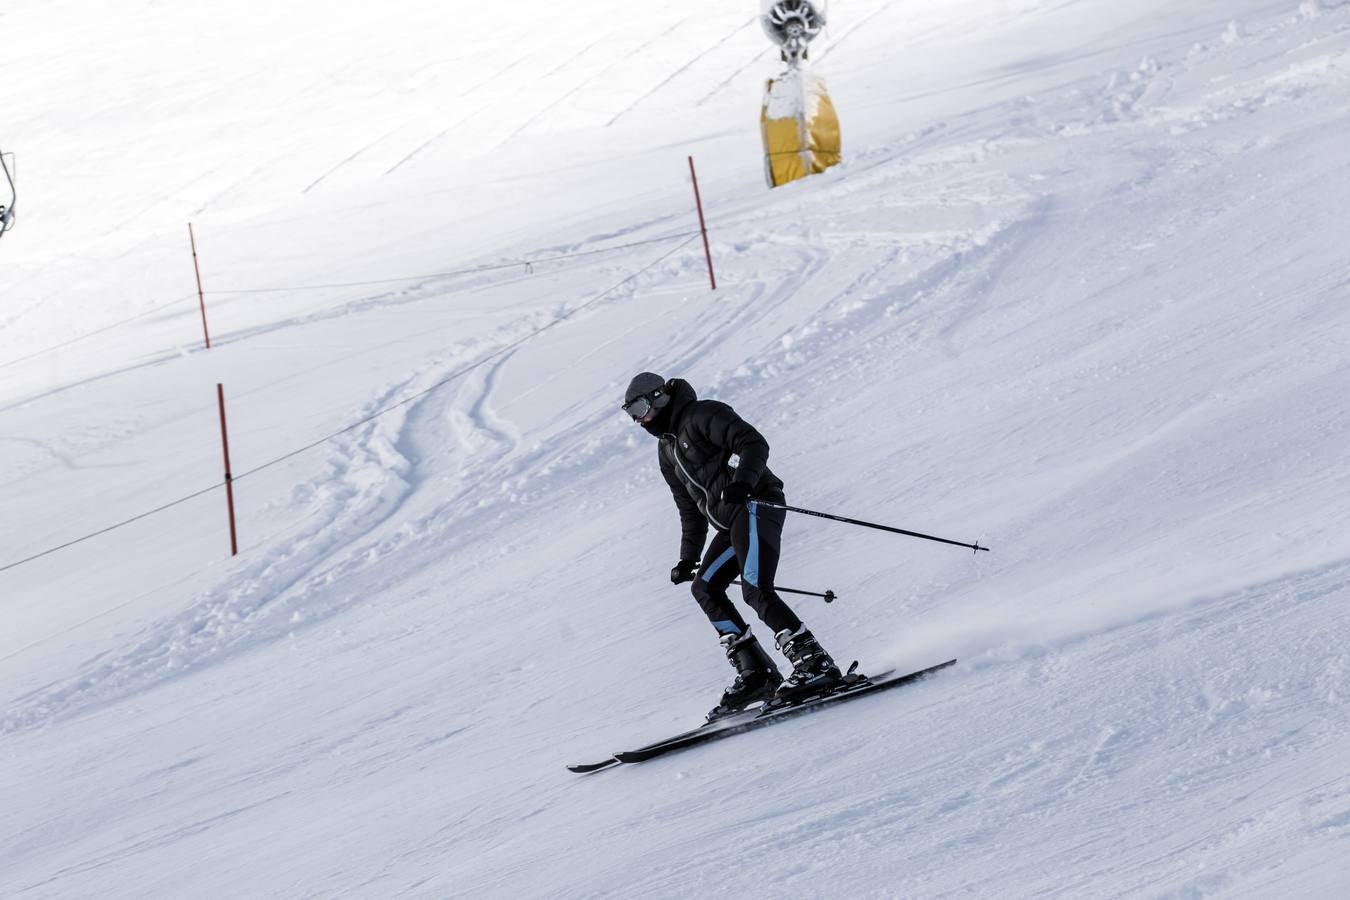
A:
681, 394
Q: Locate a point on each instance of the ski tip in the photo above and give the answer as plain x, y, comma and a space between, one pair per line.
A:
587, 768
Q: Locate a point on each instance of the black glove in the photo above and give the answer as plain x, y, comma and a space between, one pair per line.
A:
737, 493
684, 571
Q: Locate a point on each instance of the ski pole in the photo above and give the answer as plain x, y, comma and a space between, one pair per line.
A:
822, 515
829, 596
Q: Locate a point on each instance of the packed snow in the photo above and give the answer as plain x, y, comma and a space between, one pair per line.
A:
1078, 291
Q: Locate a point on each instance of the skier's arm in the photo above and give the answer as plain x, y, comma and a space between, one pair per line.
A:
693, 524
726, 429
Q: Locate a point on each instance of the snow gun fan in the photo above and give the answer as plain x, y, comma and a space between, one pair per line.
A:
800, 128
7, 209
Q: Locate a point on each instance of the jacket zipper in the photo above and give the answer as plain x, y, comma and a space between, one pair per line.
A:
707, 498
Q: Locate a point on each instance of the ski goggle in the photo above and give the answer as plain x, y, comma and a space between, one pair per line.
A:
640, 407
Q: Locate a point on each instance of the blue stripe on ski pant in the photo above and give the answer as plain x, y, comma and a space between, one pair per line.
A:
720, 562
726, 626
750, 572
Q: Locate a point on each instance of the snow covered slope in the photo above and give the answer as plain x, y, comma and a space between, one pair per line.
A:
1078, 291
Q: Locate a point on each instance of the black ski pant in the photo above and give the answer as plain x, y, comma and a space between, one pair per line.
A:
750, 549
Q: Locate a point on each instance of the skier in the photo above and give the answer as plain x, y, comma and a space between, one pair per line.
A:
716, 464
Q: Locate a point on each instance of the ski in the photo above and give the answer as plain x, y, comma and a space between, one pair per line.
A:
705, 728
750, 720
586, 768
769, 717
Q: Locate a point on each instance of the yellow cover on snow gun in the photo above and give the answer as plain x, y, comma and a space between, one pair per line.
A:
798, 121
800, 128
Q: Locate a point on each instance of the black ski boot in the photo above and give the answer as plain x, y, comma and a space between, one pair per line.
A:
813, 671
757, 678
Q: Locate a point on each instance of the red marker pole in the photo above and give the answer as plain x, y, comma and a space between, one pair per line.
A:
201, 298
229, 479
703, 226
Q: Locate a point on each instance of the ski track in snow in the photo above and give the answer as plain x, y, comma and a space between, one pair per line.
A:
372, 466
1096, 318
364, 468
681, 70
1166, 734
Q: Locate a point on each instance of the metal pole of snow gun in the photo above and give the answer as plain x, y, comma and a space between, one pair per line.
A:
7, 211
828, 596
848, 521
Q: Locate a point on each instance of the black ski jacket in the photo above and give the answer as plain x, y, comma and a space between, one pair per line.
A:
704, 446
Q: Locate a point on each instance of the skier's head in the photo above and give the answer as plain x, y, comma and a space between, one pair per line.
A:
647, 400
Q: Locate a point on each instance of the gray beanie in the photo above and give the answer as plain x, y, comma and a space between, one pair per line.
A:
644, 383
